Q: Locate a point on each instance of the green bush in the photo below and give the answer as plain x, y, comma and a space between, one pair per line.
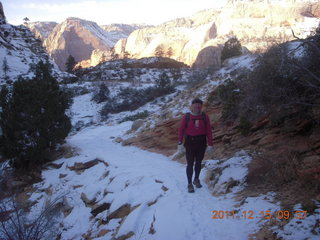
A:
196, 77
139, 115
244, 126
229, 94
33, 118
231, 48
102, 94
130, 99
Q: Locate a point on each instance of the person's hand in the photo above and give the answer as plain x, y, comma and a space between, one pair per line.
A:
179, 153
210, 150
181, 148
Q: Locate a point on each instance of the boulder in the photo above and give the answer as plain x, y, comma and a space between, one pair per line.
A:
86, 200
83, 166
100, 208
208, 57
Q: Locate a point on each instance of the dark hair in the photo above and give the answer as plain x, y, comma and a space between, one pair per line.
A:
197, 100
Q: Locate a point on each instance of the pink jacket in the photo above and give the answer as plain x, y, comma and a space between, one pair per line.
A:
196, 126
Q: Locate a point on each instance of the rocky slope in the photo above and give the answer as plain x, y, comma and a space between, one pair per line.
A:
87, 42
20, 50
118, 31
198, 40
42, 29
74, 34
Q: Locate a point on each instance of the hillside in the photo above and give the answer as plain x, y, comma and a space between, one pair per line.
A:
118, 175
41, 29
20, 50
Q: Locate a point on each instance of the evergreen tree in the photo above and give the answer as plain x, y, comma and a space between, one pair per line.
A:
5, 69
33, 118
126, 55
163, 84
159, 51
103, 58
70, 63
113, 54
26, 20
102, 95
169, 52
231, 48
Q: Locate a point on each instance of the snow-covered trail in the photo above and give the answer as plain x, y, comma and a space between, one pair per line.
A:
138, 177
152, 183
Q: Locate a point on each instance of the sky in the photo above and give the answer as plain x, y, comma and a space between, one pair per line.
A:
104, 11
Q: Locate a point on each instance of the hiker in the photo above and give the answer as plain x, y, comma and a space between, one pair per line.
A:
195, 130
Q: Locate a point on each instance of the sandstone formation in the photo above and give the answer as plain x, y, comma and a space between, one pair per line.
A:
78, 38
42, 29
87, 42
118, 31
97, 56
198, 40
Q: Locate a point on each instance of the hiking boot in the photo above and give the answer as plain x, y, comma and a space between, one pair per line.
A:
190, 188
197, 183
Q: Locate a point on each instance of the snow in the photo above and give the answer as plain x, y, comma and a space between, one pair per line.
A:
137, 177
85, 110
296, 49
300, 228
152, 184
21, 50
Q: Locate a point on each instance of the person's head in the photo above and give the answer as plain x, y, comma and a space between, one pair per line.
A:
196, 106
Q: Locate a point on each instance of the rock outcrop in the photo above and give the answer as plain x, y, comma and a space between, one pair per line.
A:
78, 38
2, 16
42, 30
198, 40
118, 31
97, 56
87, 42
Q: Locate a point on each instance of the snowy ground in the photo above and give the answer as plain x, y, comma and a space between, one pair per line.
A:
157, 186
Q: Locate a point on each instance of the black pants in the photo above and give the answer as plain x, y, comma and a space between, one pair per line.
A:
195, 149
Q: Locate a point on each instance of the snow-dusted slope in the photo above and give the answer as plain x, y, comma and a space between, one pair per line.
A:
20, 49
42, 29
118, 31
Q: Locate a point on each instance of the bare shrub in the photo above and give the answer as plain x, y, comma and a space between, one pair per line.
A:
17, 225
289, 167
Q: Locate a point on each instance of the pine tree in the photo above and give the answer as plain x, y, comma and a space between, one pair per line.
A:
169, 52
159, 52
26, 20
5, 68
103, 58
163, 84
102, 95
231, 48
113, 54
33, 118
70, 63
126, 55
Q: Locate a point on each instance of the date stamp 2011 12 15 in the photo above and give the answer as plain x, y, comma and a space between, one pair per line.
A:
281, 214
